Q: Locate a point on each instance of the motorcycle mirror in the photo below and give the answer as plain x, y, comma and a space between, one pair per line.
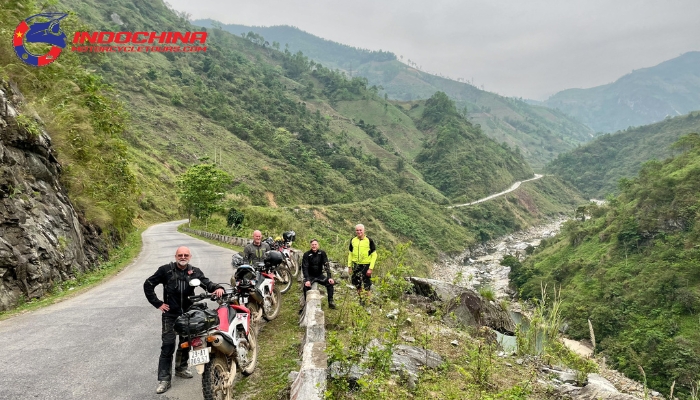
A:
195, 282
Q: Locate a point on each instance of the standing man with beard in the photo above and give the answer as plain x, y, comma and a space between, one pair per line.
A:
175, 278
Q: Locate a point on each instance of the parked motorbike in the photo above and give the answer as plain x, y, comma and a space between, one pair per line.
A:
280, 271
284, 246
257, 289
220, 341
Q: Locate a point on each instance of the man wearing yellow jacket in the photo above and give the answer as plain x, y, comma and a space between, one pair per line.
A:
362, 254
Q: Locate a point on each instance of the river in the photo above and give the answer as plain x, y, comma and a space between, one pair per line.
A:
479, 266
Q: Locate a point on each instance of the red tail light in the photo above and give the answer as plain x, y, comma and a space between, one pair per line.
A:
196, 342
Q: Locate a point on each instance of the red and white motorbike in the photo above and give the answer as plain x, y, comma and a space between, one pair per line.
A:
256, 290
220, 342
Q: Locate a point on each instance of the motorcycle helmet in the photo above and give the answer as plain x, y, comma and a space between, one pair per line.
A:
245, 273
273, 258
289, 236
237, 260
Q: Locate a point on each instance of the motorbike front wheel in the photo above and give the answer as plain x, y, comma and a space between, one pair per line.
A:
252, 353
274, 309
215, 379
283, 279
256, 315
293, 266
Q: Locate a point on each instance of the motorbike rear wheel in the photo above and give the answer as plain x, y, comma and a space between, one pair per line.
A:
283, 279
215, 379
274, 308
252, 353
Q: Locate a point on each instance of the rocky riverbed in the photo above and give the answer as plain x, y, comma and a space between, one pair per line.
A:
479, 266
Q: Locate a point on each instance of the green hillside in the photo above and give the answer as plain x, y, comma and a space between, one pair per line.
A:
595, 168
334, 55
632, 269
290, 132
642, 97
541, 133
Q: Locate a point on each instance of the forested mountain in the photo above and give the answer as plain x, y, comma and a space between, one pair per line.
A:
331, 54
641, 97
596, 167
631, 268
540, 133
290, 132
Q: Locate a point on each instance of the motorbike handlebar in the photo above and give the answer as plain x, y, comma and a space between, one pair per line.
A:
212, 296
198, 297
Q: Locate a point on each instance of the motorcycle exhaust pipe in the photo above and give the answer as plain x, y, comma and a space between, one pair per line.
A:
222, 345
257, 296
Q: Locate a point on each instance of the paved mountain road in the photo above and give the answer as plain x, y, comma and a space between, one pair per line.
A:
493, 196
104, 343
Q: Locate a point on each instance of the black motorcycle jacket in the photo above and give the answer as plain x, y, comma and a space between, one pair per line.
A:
313, 264
176, 287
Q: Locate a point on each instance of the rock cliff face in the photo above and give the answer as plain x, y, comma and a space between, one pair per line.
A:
43, 240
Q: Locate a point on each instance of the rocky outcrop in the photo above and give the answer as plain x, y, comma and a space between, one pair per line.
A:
464, 306
407, 363
596, 388
43, 240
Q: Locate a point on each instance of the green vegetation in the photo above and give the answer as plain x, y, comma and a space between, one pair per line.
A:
641, 97
392, 220
264, 116
292, 133
541, 133
334, 55
471, 369
278, 352
86, 125
457, 160
631, 268
596, 168
201, 188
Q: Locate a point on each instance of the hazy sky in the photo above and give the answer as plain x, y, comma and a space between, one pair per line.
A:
523, 48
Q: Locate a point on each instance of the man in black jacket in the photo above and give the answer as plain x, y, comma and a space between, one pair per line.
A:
313, 264
175, 278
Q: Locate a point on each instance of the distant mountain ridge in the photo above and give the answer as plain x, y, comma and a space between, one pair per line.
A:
641, 97
540, 133
596, 168
334, 55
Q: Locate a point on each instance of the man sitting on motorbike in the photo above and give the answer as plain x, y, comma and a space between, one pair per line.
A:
175, 278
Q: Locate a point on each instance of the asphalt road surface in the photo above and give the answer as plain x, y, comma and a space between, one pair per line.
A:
104, 343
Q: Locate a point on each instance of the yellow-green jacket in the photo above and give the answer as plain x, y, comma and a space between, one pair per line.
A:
362, 252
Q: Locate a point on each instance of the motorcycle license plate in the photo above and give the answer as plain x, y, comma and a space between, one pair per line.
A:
200, 356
